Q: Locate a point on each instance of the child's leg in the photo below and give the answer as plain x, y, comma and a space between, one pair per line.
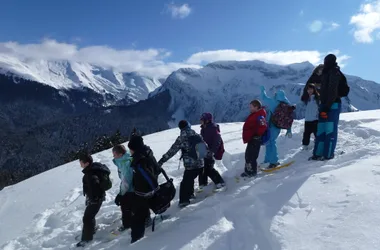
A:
126, 209
211, 172
187, 184
89, 222
308, 130
251, 154
271, 148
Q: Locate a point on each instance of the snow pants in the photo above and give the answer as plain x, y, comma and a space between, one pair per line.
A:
271, 155
126, 209
187, 184
140, 213
327, 133
89, 222
251, 154
310, 128
209, 171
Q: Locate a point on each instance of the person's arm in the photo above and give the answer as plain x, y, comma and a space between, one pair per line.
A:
264, 95
172, 151
93, 182
334, 80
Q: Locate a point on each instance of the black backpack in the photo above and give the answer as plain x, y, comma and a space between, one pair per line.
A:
343, 88
104, 179
160, 202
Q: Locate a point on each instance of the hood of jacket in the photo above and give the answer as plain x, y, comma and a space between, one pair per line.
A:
120, 161
280, 96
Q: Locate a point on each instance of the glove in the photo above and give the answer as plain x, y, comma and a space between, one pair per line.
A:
323, 115
118, 200
289, 134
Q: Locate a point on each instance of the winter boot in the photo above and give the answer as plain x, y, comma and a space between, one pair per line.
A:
82, 243
184, 204
248, 174
220, 185
305, 147
273, 165
316, 158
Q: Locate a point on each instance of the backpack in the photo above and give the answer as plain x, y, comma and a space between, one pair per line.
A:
265, 137
219, 154
198, 148
343, 88
105, 182
144, 180
283, 116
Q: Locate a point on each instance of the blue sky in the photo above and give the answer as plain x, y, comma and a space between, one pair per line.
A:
161, 35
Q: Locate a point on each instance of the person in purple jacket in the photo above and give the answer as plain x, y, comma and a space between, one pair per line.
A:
211, 135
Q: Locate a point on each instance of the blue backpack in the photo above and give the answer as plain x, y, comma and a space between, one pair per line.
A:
265, 137
198, 148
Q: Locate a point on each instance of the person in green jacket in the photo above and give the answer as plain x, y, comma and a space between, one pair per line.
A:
122, 159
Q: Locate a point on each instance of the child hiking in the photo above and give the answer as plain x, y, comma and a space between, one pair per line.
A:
95, 175
211, 135
122, 160
254, 127
311, 99
193, 160
277, 119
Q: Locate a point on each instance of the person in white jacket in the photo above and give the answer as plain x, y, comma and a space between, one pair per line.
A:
311, 99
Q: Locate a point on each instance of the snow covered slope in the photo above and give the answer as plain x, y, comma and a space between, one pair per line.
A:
309, 205
225, 88
66, 74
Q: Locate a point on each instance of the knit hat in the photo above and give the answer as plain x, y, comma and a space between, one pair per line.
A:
183, 124
206, 117
136, 143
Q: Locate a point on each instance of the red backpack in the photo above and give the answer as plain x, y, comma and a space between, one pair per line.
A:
283, 116
219, 155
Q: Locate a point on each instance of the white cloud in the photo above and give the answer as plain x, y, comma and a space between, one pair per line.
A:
275, 57
318, 25
366, 22
151, 62
333, 26
179, 11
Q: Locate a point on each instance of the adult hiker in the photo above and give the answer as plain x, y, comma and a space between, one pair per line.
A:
211, 135
285, 118
334, 86
193, 151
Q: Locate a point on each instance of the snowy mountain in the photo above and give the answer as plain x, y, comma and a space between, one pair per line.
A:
74, 75
309, 205
225, 88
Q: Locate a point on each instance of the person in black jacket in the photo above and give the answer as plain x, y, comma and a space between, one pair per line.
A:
95, 195
329, 110
145, 185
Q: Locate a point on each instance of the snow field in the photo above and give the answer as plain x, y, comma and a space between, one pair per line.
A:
308, 205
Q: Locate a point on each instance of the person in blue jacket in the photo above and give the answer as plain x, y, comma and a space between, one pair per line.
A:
271, 155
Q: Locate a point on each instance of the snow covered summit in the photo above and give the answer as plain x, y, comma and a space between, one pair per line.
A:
72, 75
307, 206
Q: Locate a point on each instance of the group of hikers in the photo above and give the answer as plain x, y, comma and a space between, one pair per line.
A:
138, 169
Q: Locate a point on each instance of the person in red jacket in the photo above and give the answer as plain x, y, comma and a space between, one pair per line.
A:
254, 127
